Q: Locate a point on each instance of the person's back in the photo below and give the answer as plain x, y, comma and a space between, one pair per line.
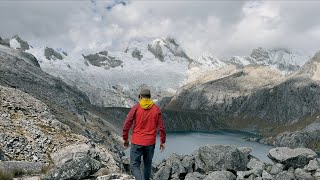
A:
146, 117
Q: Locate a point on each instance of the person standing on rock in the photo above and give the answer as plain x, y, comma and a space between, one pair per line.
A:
147, 118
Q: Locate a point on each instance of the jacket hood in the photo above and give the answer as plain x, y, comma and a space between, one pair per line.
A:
146, 103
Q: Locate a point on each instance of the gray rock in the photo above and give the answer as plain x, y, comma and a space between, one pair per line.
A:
9, 166
24, 45
102, 59
117, 176
317, 174
220, 157
136, 54
83, 150
312, 166
29, 58
156, 50
163, 173
4, 42
255, 163
266, 175
51, 54
285, 175
245, 150
28, 178
220, 175
188, 163
75, 169
296, 158
276, 168
194, 176
300, 174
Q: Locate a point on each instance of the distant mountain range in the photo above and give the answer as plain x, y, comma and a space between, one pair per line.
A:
112, 79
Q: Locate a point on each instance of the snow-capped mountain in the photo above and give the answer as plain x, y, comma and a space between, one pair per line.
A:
285, 60
114, 78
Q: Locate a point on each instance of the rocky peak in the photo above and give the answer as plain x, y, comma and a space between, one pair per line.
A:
51, 54
17, 43
102, 59
207, 60
311, 68
163, 47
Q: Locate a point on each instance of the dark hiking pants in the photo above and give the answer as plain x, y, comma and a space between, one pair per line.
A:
136, 151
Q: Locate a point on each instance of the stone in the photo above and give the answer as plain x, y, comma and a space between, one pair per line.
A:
300, 174
255, 163
9, 166
276, 168
162, 174
82, 150
194, 176
75, 169
312, 166
116, 176
266, 175
245, 150
173, 168
285, 175
136, 54
296, 158
220, 157
28, 178
188, 163
220, 175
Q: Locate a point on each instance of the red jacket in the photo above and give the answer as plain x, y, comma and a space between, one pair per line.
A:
146, 122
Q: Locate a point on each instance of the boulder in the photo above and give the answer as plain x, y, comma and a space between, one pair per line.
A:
266, 175
76, 169
300, 174
220, 157
194, 176
296, 158
173, 168
285, 175
220, 175
255, 163
117, 176
276, 168
82, 150
317, 174
312, 166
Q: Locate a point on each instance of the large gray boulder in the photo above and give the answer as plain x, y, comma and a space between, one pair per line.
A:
220, 175
300, 174
83, 150
220, 157
194, 176
76, 169
173, 168
296, 158
285, 175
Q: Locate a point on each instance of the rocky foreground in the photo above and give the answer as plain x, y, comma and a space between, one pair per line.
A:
227, 162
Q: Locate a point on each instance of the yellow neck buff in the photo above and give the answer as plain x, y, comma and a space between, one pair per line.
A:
146, 103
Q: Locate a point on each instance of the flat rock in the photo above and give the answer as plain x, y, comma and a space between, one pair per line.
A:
194, 176
300, 174
220, 157
116, 176
285, 175
220, 175
296, 158
76, 169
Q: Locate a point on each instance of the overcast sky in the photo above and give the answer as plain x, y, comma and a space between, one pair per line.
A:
222, 28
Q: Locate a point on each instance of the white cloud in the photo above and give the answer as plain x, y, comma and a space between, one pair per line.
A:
223, 28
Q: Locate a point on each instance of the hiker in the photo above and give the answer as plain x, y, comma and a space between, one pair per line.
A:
146, 118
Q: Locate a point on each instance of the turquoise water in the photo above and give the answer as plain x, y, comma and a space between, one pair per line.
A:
186, 143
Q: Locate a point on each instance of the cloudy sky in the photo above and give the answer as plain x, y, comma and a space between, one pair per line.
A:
223, 28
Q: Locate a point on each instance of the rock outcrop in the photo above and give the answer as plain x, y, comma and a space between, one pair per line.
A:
224, 164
